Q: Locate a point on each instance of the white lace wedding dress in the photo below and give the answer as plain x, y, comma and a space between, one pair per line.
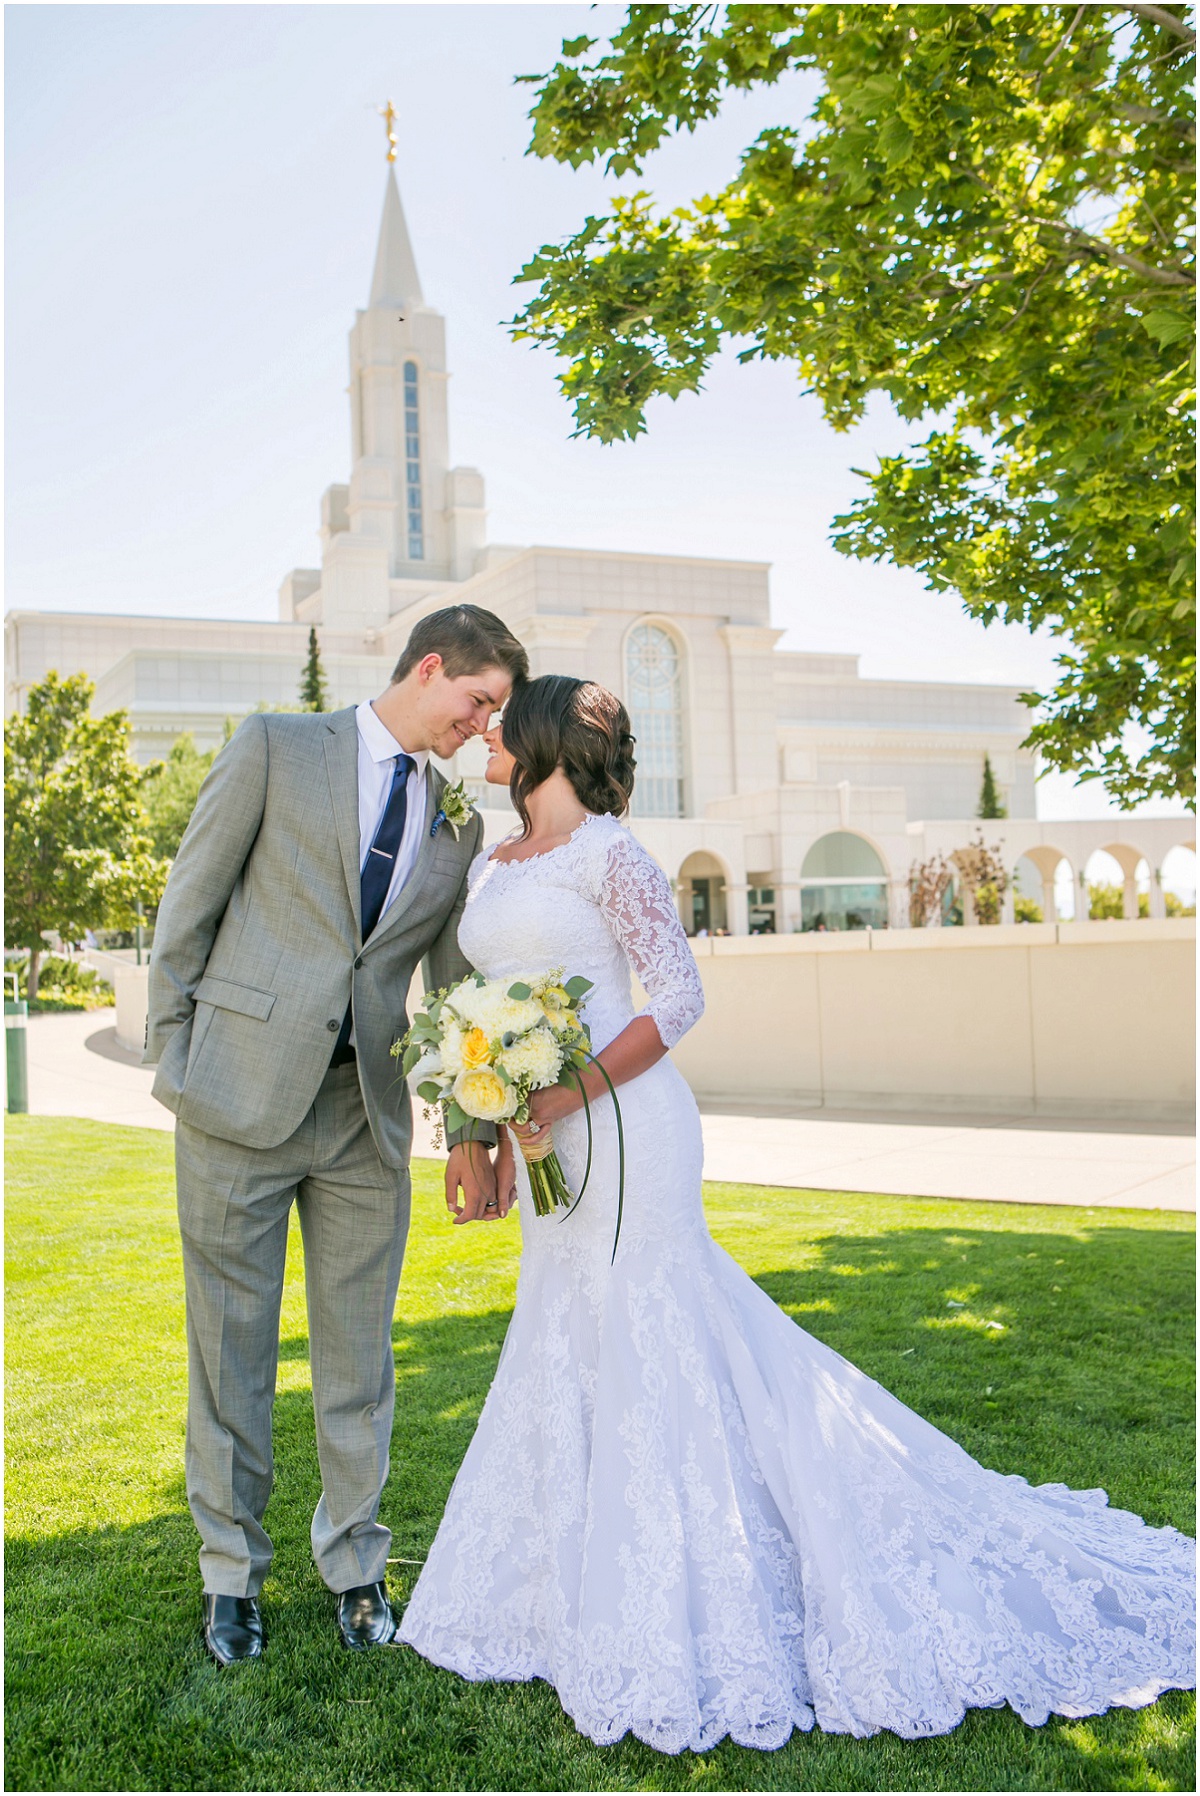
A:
688, 1515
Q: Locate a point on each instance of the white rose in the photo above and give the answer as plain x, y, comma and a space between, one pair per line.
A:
429, 1066
489, 1007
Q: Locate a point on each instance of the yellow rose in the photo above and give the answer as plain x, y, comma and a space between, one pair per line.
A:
482, 1094
475, 1051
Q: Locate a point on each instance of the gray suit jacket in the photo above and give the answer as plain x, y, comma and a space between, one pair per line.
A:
258, 951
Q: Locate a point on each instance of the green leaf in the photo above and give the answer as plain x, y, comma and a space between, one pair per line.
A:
519, 991
1167, 327
456, 1116
577, 985
429, 1091
896, 141
911, 236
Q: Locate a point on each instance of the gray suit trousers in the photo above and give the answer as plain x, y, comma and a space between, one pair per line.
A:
234, 1205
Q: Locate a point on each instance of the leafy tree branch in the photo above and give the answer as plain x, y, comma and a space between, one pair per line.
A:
987, 217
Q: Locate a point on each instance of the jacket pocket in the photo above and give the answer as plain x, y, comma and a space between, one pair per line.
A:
225, 994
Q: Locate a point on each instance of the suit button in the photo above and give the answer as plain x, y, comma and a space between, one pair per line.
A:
358, 963
333, 1025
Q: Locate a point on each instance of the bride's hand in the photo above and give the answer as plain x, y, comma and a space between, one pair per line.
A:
547, 1107
505, 1165
551, 1105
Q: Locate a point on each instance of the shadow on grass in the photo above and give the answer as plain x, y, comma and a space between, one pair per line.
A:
109, 1689
1065, 1357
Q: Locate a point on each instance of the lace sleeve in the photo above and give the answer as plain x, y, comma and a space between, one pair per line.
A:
635, 897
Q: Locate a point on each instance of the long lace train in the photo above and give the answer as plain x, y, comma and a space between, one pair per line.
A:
690, 1516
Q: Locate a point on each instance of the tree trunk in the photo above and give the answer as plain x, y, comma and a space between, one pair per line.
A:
34, 974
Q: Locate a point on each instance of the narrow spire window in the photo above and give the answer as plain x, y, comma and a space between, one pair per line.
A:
656, 711
412, 464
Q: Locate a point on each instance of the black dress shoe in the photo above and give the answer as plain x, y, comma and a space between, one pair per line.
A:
365, 1617
232, 1628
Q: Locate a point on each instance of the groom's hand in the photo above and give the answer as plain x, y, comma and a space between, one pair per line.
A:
471, 1184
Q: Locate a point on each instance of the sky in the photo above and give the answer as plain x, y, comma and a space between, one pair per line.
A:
193, 199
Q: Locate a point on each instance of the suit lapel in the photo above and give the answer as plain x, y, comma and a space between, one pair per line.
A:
341, 764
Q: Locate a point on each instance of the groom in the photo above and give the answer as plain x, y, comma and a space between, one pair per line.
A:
312, 878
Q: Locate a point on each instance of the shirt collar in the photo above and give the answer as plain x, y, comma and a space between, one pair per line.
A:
379, 742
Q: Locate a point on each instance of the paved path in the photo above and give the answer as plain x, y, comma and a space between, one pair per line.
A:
77, 1069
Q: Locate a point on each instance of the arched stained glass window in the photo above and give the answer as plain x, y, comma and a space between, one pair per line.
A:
656, 710
412, 464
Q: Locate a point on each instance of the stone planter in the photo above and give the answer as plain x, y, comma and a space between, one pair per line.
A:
130, 985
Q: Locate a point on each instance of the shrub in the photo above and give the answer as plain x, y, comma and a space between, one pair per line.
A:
64, 985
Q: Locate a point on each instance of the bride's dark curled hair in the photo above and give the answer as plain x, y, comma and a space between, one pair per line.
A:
583, 728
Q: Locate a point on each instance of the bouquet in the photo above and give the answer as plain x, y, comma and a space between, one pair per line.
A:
481, 1048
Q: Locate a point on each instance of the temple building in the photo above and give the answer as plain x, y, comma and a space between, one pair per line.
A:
779, 789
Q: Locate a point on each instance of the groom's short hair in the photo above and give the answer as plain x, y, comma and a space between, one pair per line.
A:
468, 639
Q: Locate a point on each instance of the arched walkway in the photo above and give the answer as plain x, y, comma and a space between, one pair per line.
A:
700, 887
1178, 879
843, 884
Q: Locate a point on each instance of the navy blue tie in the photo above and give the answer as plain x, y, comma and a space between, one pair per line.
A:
381, 855
376, 877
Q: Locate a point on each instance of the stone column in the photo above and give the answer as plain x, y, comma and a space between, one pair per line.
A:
752, 704
898, 895
787, 906
737, 910
1082, 897
1158, 899
1129, 898
1049, 901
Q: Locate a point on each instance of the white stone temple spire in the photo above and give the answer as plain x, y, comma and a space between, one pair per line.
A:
407, 522
395, 281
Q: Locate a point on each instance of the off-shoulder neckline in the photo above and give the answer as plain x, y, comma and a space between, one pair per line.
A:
526, 859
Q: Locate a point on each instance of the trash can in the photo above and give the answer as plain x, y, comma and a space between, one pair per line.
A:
15, 1013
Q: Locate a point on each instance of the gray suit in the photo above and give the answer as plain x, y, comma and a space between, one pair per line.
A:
257, 952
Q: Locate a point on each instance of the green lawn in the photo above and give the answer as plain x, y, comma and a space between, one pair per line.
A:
1089, 1381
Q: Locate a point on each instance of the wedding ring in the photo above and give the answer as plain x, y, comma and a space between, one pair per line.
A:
535, 1128
492, 1204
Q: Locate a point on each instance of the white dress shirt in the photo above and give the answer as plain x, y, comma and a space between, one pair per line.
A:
377, 751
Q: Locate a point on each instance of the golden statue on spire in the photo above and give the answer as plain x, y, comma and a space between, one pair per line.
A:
388, 115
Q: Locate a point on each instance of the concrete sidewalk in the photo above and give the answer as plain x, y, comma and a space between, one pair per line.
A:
77, 1069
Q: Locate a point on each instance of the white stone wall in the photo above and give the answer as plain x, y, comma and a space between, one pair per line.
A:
1008, 1021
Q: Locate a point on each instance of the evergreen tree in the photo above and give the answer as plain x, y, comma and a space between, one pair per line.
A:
989, 797
313, 693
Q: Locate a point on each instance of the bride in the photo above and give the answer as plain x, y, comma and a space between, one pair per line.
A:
678, 1508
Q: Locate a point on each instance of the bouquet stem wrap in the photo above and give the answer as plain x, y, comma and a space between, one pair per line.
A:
547, 1182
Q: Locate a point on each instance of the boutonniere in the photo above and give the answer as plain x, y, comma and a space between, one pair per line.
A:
456, 810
